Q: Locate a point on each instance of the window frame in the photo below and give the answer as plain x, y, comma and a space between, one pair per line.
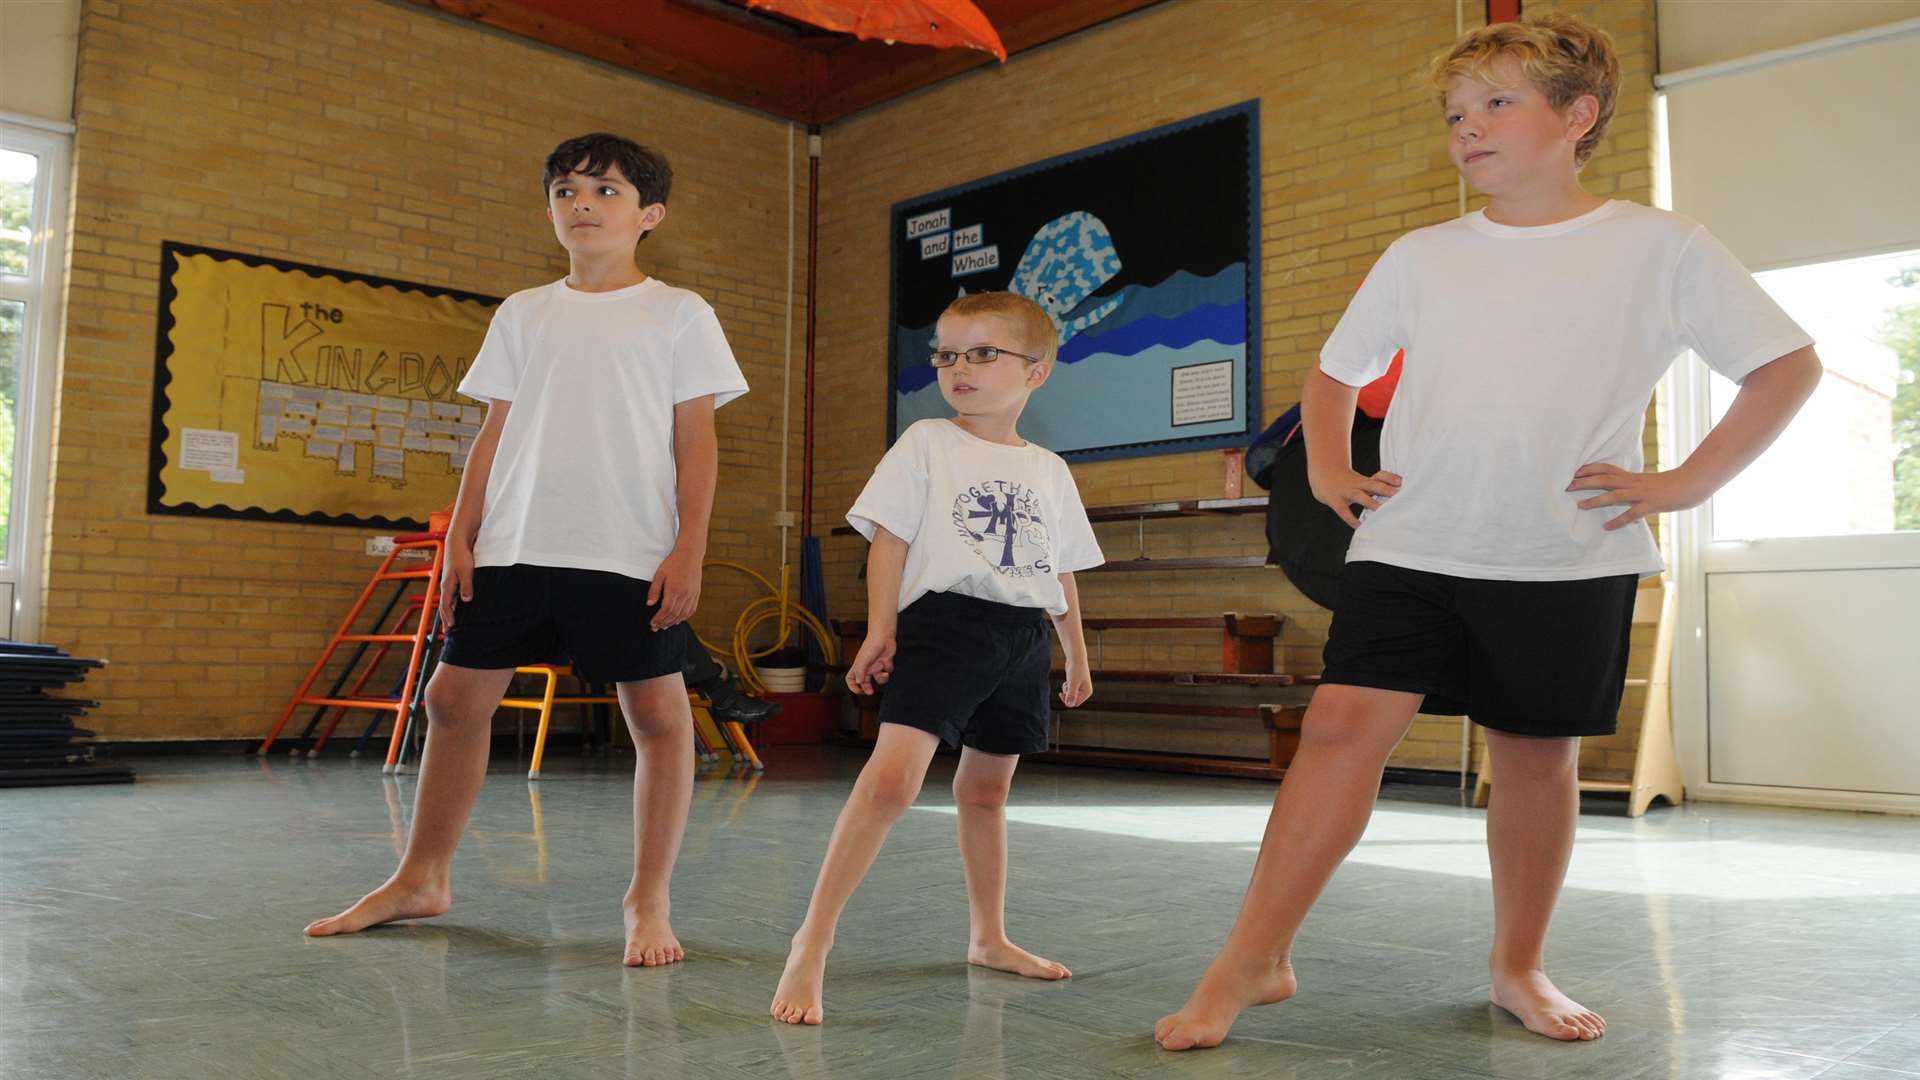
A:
42, 289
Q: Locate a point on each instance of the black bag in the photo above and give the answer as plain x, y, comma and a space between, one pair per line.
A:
1305, 539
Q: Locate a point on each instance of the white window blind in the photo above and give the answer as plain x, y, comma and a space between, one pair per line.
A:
1804, 155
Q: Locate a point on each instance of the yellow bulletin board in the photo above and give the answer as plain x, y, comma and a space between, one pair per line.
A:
285, 392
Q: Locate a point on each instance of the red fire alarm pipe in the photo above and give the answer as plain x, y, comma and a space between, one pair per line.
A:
813, 280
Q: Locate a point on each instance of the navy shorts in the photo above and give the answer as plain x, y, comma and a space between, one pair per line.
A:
593, 619
1522, 657
974, 672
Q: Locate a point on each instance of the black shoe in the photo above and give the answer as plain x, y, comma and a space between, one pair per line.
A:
729, 704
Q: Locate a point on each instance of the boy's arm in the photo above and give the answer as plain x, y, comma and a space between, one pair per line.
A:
456, 580
696, 460
1768, 398
1078, 686
886, 565
1326, 414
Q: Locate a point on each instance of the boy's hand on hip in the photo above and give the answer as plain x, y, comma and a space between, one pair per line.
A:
456, 579
676, 588
1642, 493
1344, 489
872, 665
1078, 686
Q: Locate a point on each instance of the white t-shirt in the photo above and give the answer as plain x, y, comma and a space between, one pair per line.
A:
982, 519
584, 475
1530, 353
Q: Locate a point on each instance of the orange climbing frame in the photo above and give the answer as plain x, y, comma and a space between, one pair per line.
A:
434, 543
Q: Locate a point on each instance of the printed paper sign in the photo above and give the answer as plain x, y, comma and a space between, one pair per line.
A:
203, 449
976, 261
1203, 393
938, 221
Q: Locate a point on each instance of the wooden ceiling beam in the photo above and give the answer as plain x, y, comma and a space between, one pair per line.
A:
805, 78
706, 54
864, 77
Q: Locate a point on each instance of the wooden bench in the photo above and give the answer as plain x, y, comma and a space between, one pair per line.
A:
1246, 659
1281, 723
1151, 511
1144, 512
1246, 641
1196, 678
1145, 565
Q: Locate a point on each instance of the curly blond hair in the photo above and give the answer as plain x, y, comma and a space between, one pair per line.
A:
1564, 55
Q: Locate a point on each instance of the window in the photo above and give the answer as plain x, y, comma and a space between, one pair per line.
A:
33, 169
17, 174
1849, 464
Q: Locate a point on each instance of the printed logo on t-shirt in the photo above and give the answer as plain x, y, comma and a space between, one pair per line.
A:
1000, 520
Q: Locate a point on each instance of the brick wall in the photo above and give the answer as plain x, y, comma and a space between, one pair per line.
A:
371, 137
1352, 156
388, 140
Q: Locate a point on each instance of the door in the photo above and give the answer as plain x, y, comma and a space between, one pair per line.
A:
1805, 597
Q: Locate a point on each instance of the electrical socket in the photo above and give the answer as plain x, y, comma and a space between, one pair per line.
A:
379, 545
786, 519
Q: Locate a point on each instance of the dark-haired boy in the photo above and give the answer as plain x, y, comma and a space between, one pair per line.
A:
580, 527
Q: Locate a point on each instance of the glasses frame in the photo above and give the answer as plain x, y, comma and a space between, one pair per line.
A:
995, 351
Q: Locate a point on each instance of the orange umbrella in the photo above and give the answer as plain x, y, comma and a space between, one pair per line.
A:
940, 23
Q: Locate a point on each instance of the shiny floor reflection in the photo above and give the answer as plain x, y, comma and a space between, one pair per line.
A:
153, 931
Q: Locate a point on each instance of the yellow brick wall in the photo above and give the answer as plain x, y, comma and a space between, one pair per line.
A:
1352, 156
372, 137
331, 132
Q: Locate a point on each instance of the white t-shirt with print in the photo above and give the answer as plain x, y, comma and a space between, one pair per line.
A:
982, 519
584, 475
1530, 353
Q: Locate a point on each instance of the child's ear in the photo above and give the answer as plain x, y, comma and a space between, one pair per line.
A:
652, 215
1581, 116
1037, 374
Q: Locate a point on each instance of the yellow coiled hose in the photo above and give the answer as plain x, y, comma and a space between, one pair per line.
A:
778, 604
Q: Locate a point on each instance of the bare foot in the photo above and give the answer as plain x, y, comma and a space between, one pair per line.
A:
387, 903
1225, 990
650, 940
798, 998
1534, 1001
1004, 955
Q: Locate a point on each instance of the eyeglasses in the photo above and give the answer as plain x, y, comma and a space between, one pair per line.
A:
979, 354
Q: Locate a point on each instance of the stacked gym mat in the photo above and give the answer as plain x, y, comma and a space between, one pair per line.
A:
37, 732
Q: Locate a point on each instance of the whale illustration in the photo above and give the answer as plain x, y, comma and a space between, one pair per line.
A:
1067, 259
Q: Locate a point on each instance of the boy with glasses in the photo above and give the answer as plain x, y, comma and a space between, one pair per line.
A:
976, 535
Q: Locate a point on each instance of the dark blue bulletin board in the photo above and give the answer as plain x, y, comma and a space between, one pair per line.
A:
1146, 252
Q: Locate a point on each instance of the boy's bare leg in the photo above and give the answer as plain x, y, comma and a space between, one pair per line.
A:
1317, 818
980, 788
661, 722
1530, 821
888, 784
460, 707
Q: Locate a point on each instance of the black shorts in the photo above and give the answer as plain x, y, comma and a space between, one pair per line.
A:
595, 620
1523, 657
973, 672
